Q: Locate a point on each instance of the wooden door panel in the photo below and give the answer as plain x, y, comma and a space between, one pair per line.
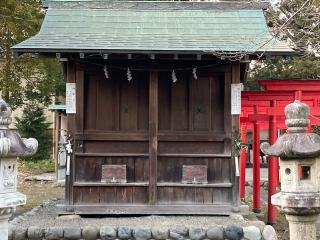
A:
201, 104
115, 104
106, 103
128, 106
179, 105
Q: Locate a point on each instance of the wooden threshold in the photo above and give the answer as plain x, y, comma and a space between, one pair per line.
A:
144, 184
190, 155
102, 184
216, 209
112, 154
202, 185
200, 155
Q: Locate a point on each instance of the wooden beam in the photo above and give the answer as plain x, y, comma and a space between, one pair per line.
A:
153, 136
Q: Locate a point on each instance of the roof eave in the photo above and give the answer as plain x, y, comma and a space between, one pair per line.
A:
19, 51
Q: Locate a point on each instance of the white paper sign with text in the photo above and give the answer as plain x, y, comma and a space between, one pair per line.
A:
236, 89
70, 98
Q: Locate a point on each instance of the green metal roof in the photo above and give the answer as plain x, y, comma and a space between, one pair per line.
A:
57, 107
149, 26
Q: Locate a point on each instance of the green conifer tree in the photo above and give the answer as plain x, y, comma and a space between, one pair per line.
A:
33, 124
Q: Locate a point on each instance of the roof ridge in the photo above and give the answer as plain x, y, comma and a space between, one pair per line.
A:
155, 5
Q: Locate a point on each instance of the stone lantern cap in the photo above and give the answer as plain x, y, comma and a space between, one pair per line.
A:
11, 144
296, 142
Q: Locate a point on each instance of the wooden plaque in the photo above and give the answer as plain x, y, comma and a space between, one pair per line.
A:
194, 174
114, 173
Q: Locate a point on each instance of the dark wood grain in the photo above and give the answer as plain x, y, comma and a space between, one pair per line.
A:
153, 137
154, 127
71, 125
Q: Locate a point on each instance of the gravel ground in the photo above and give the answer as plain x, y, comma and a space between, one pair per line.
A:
45, 216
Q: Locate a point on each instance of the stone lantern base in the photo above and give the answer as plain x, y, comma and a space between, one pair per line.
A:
8, 204
301, 210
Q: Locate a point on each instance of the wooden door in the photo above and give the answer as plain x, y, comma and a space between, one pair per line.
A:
115, 132
193, 131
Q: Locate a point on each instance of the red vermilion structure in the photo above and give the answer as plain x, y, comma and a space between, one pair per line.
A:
264, 110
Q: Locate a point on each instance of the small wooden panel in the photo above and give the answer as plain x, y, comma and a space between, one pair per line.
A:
116, 147
87, 195
113, 173
110, 195
191, 147
192, 195
194, 174
123, 195
170, 168
89, 168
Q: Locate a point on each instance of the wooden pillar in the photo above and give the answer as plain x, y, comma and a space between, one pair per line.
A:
56, 134
71, 78
153, 136
235, 122
256, 165
243, 159
273, 168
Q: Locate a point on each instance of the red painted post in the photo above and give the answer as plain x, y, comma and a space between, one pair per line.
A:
256, 165
298, 95
273, 169
243, 158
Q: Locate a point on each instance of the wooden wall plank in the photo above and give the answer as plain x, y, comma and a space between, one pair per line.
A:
129, 105
217, 103
90, 102
106, 103
86, 195
201, 104
180, 104
143, 101
153, 136
164, 91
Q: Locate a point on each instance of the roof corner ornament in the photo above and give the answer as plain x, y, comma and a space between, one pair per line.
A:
296, 143
11, 144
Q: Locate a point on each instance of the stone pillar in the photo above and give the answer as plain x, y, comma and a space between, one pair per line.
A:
11, 147
299, 153
302, 227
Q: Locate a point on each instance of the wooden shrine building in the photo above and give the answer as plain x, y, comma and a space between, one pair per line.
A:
149, 98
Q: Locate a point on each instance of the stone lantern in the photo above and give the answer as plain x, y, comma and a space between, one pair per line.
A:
11, 147
299, 154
